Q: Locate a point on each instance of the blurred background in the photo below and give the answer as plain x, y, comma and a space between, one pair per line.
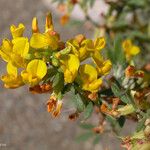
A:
24, 121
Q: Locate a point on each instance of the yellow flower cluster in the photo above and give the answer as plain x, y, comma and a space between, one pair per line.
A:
130, 49
79, 59
78, 62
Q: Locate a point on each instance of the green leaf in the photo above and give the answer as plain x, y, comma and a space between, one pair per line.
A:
120, 24
58, 82
96, 139
121, 120
50, 73
115, 89
83, 4
91, 3
111, 119
125, 99
86, 126
116, 124
148, 113
88, 110
136, 3
74, 22
107, 92
56, 79
119, 93
110, 50
84, 137
59, 1
140, 124
118, 52
67, 88
79, 103
140, 35
115, 52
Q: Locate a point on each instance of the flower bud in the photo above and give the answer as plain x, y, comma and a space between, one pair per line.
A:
130, 70
35, 28
49, 23
57, 110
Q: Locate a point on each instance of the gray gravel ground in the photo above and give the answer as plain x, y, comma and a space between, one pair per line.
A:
24, 122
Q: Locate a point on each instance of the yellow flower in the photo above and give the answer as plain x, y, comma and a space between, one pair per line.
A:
15, 51
78, 49
130, 49
89, 77
97, 45
103, 66
21, 46
12, 79
19, 52
6, 50
17, 31
35, 71
42, 41
100, 43
70, 65
82, 47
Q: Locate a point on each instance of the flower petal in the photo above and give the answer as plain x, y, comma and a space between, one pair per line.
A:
38, 41
88, 73
94, 86
12, 70
6, 50
37, 68
70, 65
98, 59
99, 43
21, 46
127, 44
88, 44
134, 50
17, 31
105, 67
12, 82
